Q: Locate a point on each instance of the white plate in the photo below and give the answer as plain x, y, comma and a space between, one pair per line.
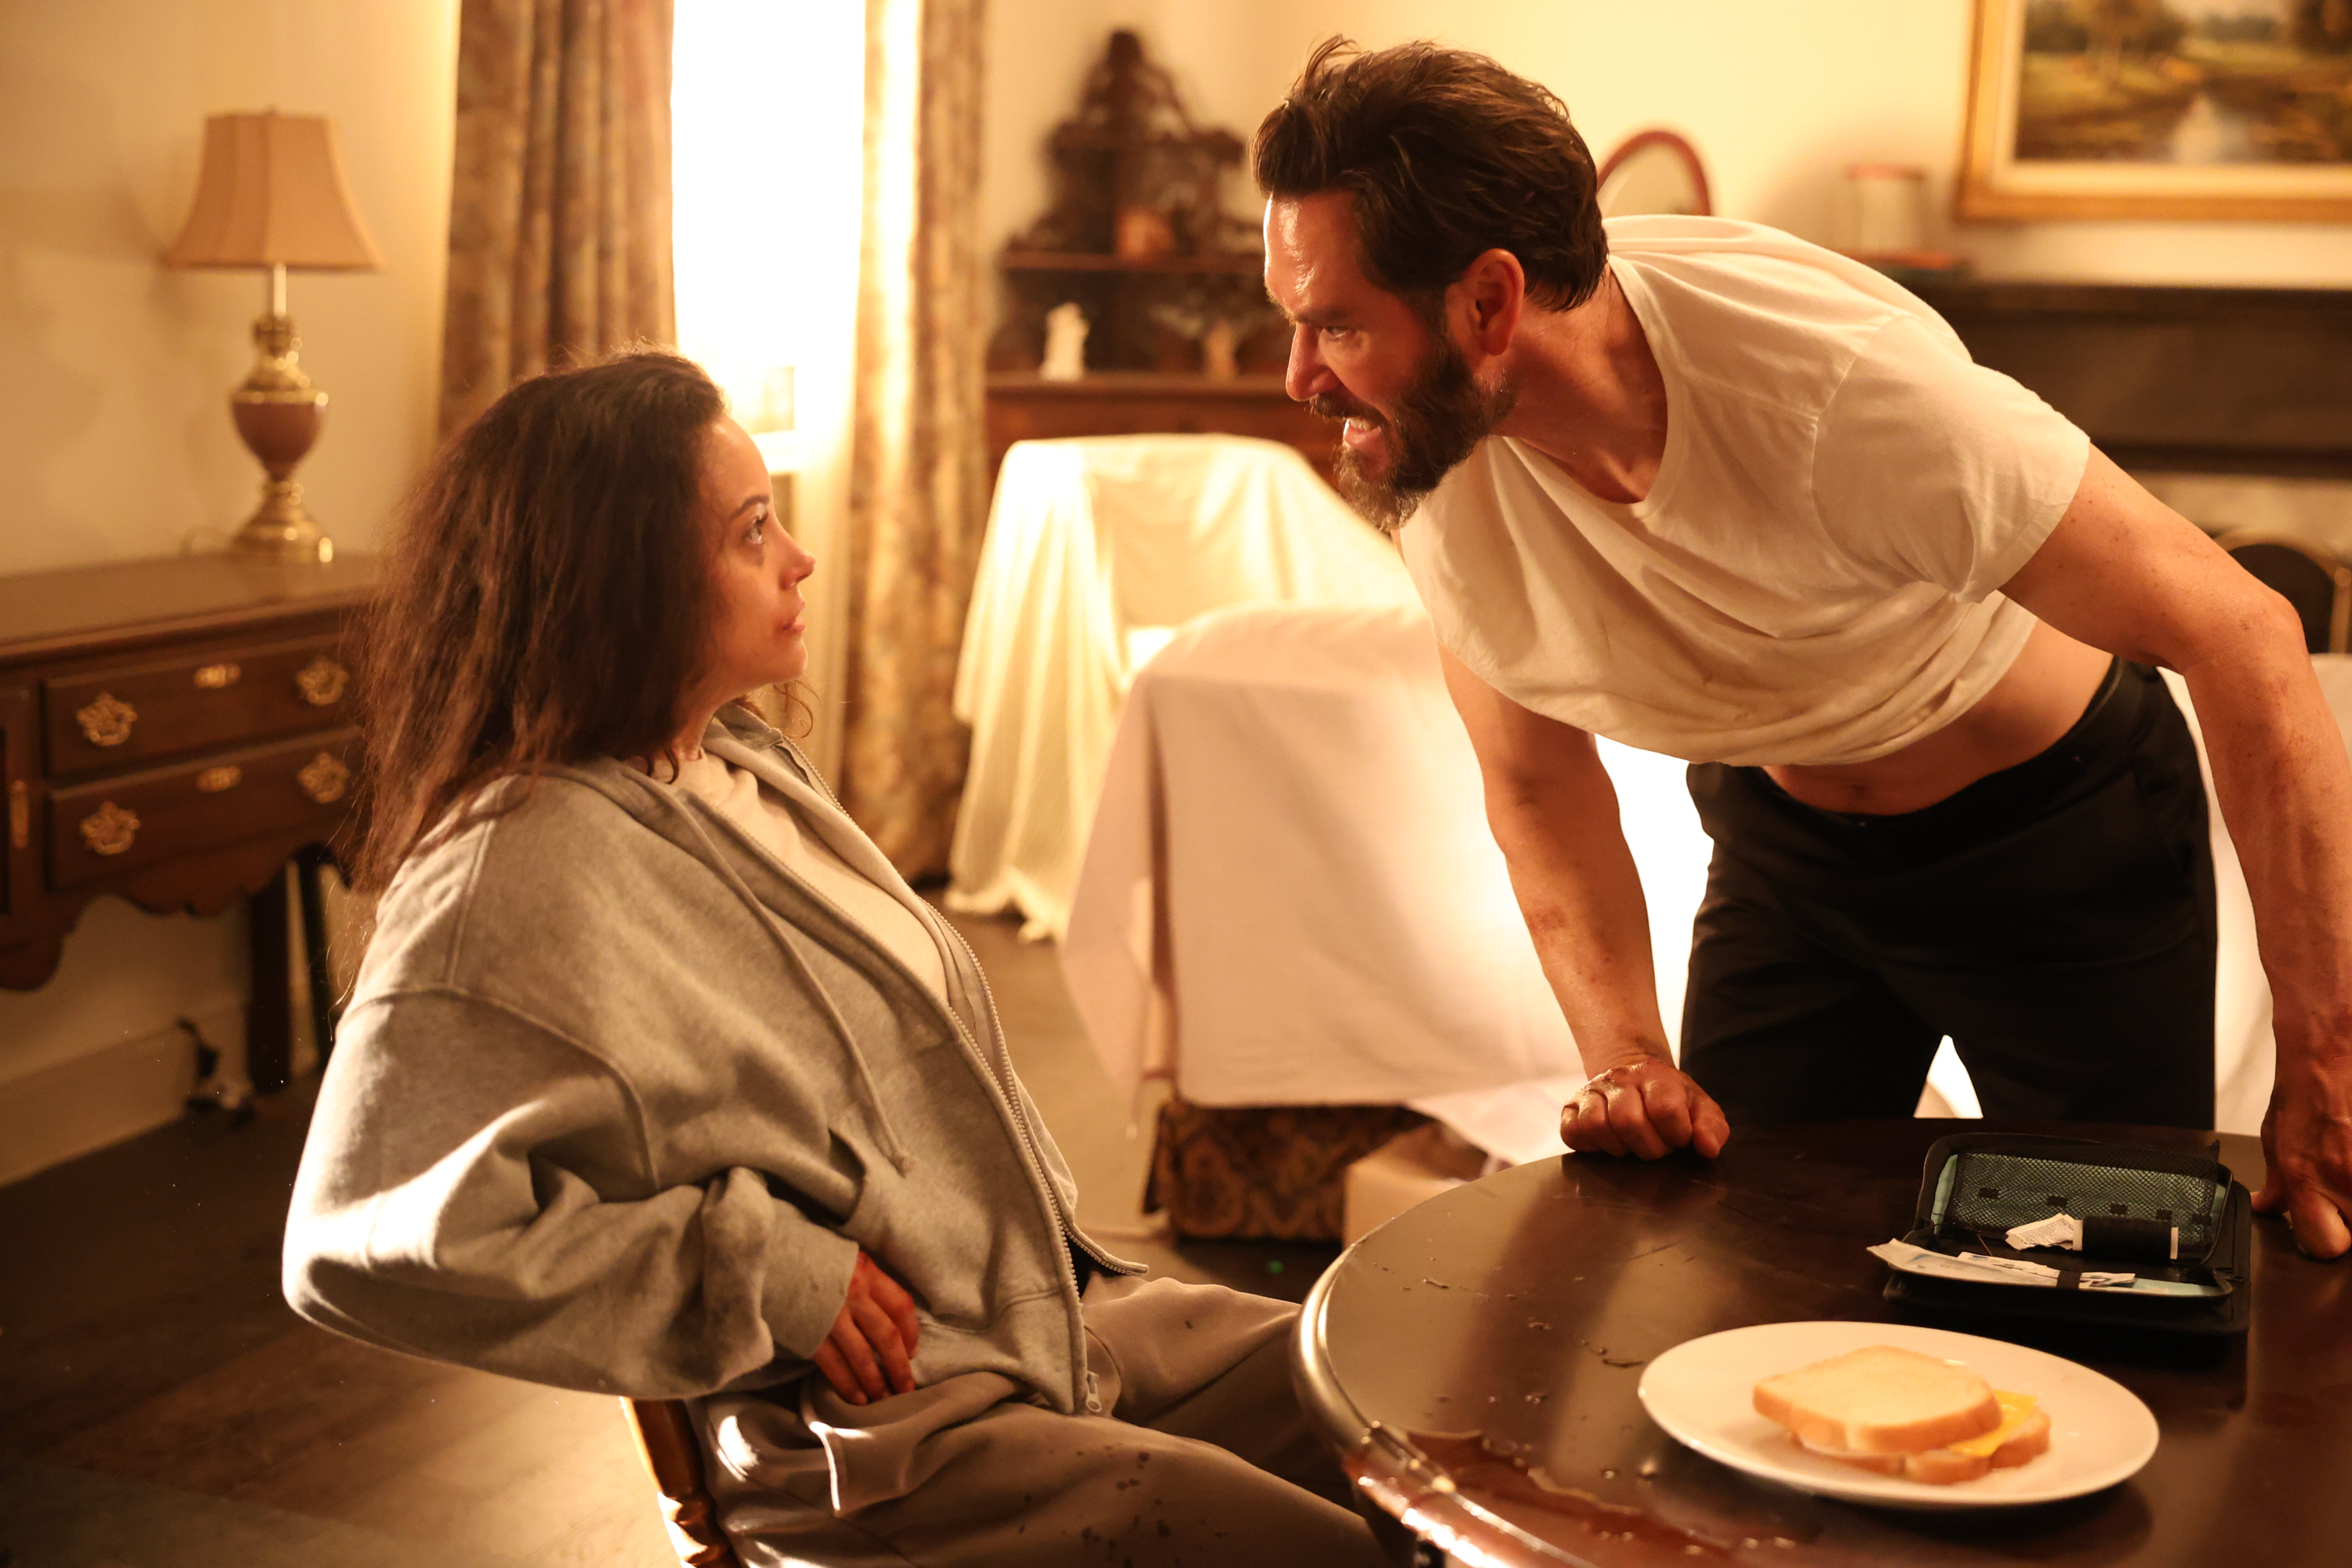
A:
1701, 1391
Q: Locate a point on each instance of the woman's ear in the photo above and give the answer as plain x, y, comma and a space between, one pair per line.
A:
1487, 299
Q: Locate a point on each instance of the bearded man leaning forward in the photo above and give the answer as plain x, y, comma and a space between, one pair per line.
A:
1707, 490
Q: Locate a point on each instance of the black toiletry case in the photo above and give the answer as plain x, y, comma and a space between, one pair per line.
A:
1978, 1185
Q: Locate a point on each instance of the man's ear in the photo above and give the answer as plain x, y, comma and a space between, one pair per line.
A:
1487, 299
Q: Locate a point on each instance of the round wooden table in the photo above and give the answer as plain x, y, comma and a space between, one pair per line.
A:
1504, 1326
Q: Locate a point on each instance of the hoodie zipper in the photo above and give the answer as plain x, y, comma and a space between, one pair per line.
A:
1067, 1223
1064, 1224
1020, 1118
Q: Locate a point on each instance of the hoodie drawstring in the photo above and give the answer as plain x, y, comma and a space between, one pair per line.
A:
892, 1148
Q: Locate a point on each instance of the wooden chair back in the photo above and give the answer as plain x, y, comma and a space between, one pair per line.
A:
673, 1457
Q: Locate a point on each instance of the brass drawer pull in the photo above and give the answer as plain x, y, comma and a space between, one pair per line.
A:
324, 778
107, 720
322, 682
20, 814
212, 676
211, 781
110, 829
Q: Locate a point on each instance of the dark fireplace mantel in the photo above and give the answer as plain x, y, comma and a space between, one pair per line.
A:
2172, 379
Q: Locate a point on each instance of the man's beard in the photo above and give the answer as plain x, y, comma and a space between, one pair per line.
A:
1441, 415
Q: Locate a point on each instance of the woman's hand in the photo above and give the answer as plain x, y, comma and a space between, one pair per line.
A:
870, 1352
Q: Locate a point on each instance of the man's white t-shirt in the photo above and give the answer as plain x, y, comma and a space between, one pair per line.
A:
1813, 576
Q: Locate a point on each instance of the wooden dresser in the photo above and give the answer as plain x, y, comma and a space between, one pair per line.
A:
173, 732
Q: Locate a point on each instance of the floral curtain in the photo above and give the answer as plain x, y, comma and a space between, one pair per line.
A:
918, 496
560, 207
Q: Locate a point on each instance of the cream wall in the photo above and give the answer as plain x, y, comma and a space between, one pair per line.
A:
1777, 98
114, 432
114, 372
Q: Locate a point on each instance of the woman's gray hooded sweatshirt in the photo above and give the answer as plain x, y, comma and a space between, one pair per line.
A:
618, 1097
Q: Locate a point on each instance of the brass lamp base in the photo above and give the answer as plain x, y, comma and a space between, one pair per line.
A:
277, 412
282, 528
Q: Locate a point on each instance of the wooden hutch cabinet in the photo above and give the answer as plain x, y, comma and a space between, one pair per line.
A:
1181, 335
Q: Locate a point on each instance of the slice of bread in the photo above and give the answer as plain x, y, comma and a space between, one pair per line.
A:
1880, 1400
2023, 1434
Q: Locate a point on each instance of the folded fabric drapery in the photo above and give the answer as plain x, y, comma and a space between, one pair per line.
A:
559, 215
919, 483
1097, 549
1290, 895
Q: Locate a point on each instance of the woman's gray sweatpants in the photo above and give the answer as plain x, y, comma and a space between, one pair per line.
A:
1201, 1457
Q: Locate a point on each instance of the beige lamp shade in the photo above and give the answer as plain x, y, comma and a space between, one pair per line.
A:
272, 193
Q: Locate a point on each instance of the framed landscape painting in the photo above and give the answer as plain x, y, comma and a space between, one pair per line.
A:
2222, 109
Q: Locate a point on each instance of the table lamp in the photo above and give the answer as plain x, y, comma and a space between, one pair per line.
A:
272, 194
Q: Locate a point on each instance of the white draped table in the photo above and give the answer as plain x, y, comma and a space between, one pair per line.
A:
1097, 550
1290, 895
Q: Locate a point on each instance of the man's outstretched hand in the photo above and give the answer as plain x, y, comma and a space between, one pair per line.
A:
871, 1353
2307, 1150
1647, 1109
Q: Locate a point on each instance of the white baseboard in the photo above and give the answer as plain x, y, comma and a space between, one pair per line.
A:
55, 1113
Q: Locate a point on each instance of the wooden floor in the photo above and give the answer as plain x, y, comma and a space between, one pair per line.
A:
161, 1407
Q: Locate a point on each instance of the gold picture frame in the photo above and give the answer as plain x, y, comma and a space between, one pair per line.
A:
2170, 109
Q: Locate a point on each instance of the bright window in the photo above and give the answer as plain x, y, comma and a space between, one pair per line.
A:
767, 107
768, 113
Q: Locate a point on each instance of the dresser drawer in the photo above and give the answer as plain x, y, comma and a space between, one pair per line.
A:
100, 829
17, 773
202, 700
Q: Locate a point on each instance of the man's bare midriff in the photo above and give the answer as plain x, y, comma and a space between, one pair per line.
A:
2028, 709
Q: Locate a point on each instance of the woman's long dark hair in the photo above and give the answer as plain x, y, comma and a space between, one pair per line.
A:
548, 597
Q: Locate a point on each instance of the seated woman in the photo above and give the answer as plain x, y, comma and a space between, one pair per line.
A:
659, 1081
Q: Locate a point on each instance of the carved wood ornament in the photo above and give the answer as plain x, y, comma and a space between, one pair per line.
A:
1138, 235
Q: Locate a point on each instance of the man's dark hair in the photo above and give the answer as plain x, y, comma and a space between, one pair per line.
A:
1447, 155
